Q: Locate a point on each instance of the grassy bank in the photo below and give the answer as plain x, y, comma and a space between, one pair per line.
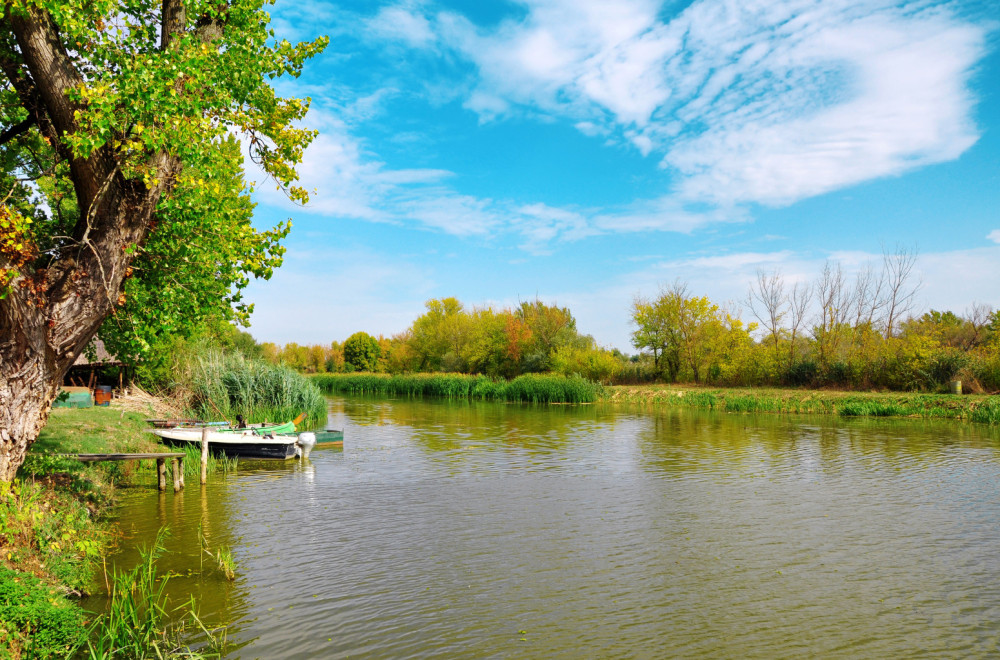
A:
975, 408
530, 388
54, 531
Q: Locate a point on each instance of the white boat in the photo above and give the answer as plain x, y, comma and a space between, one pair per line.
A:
248, 443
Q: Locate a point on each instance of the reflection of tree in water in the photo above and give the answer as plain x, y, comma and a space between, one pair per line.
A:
441, 424
675, 439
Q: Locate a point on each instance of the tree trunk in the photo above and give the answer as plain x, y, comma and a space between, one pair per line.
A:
51, 314
27, 390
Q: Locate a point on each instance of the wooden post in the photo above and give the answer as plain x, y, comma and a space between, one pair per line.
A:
177, 475
161, 471
204, 455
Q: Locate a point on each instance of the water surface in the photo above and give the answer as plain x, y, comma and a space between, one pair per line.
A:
492, 530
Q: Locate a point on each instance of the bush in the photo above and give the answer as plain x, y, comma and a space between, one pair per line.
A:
35, 620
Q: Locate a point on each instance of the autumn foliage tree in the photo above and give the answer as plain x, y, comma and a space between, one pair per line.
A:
125, 116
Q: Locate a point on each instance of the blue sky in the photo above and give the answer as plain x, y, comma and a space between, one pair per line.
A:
586, 152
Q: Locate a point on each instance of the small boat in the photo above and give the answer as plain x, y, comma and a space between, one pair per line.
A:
329, 438
242, 443
176, 422
263, 428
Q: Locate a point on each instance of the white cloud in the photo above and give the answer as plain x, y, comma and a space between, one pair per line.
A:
754, 101
994, 236
404, 23
862, 98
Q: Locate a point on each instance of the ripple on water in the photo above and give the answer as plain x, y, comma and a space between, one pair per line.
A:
462, 530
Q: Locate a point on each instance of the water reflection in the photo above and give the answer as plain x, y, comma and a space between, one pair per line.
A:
478, 529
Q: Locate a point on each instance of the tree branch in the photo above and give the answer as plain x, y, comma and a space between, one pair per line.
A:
15, 130
54, 76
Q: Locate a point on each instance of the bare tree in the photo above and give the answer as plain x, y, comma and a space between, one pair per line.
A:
798, 308
901, 291
868, 296
980, 315
768, 303
835, 303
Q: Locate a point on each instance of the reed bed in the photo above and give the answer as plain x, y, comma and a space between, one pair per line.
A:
529, 388
138, 623
226, 385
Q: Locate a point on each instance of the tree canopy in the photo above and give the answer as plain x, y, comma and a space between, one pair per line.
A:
125, 126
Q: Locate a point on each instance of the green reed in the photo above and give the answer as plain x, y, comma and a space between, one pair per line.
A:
226, 385
138, 623
529, 388
987, 412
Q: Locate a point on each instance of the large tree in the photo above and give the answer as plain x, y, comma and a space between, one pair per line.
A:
118, 144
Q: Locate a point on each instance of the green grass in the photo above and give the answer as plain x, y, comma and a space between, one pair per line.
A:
975, 408
529, 388
35, 620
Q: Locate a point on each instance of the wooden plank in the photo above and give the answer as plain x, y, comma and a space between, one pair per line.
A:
94, 458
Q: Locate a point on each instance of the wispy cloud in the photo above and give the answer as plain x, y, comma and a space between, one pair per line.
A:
756, 101
742, 103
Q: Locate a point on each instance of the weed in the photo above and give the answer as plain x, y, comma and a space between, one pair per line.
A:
138, 623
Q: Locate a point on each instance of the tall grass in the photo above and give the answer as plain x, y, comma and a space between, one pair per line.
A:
987, 412
226, 385
216, 462
138, 623
529, 388
862, 408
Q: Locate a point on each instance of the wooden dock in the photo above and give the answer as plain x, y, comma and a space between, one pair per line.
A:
177, 463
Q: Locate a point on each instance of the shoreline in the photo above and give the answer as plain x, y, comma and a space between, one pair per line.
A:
981, 408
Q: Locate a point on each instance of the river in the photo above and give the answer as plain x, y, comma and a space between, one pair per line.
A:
447, 529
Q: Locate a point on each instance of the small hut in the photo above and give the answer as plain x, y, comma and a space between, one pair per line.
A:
96, 367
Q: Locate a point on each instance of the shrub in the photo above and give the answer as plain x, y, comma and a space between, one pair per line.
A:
35, 620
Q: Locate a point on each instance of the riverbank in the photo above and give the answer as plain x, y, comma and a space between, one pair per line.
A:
973, 407
55, 527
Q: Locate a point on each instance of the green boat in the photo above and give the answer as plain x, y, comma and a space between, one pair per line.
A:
284, 428
329, 437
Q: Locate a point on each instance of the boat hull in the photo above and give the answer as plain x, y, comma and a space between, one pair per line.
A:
245, 445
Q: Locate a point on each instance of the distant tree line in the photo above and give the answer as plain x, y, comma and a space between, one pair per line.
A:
448, 337
856, 332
